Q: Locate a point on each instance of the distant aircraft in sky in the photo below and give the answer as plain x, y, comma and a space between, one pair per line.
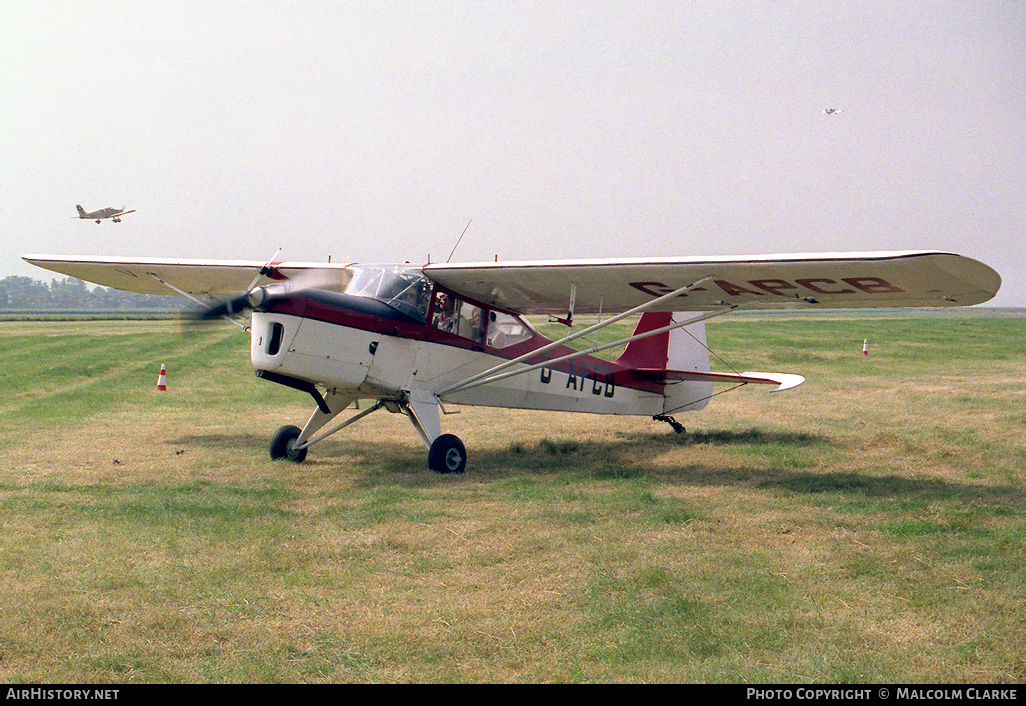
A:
114, 213
832, 111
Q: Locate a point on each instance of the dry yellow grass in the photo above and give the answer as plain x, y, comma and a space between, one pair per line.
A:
864, 527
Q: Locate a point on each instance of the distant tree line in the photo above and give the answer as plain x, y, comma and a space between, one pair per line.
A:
70, 293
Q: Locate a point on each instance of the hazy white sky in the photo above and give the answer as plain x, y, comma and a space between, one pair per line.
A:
375, 131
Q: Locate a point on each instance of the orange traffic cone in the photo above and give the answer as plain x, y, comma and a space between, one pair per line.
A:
865, 346
162, 379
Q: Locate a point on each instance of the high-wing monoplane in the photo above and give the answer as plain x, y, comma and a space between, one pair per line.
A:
415, 339
114, 213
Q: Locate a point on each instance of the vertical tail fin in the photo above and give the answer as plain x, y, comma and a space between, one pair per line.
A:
681, 349
651, 352
81, 211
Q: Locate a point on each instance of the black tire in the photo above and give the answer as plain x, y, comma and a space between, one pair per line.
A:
447, 455
282, 444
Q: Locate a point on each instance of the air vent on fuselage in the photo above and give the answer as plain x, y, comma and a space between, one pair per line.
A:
274, 344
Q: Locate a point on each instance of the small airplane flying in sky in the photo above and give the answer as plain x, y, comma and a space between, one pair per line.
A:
114, 213
417, 339
832, 111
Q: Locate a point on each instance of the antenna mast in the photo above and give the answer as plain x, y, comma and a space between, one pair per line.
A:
459, 239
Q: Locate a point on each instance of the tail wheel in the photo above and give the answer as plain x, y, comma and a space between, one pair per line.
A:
447, 455
283, 444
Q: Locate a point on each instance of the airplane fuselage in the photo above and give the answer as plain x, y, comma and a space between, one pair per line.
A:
102, 213
360, 349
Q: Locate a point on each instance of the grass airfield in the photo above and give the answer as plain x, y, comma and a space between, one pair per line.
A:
867, 526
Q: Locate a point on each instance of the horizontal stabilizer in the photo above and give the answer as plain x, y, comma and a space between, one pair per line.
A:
783, 381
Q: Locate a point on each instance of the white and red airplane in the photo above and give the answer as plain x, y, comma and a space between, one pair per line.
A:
417, 338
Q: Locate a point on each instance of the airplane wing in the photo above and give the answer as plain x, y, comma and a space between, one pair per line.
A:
820, 280
199, 278
824, 280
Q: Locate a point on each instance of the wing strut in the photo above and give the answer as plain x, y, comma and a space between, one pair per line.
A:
265, 270
477, 381
198, 301
569, 320
465, 384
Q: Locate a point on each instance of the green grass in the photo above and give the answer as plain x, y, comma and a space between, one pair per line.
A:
867, 526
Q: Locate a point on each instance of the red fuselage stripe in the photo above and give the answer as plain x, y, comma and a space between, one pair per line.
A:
585, 367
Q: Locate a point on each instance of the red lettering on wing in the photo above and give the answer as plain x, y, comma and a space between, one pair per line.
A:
658, 289
653, 289
808, 284
819, 285
773, 286
734, 289
873, 285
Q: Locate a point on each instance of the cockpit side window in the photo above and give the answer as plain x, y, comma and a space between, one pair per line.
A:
456, 316
505, 330
445, 312
471, 322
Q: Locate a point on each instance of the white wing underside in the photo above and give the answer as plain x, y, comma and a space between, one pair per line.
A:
824, 280
199, 278
820, 280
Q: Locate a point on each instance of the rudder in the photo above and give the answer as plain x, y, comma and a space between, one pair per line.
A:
681, 349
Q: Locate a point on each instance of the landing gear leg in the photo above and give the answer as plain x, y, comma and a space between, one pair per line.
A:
677, 426
292, 442
446, 453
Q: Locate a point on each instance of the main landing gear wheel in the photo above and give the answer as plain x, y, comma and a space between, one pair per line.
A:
447, 455
283, 444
